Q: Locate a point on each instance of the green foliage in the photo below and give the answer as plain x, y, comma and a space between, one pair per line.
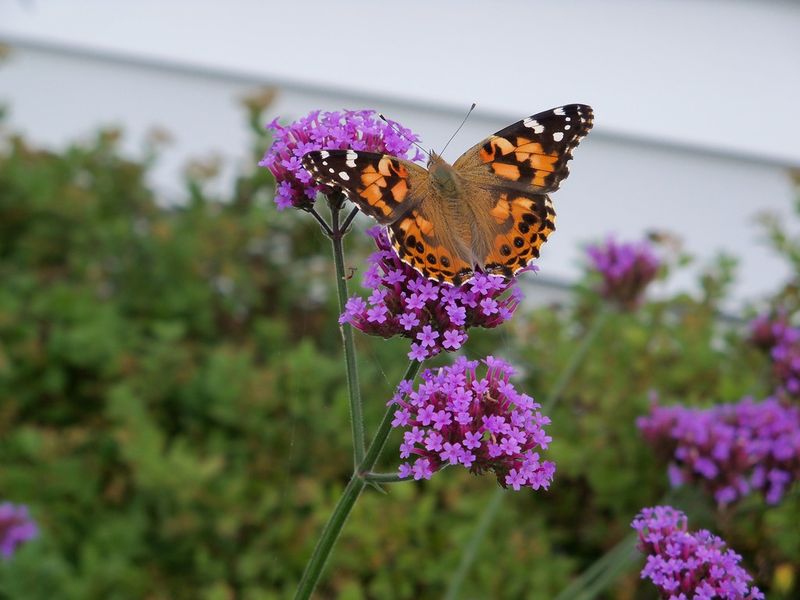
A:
173, 405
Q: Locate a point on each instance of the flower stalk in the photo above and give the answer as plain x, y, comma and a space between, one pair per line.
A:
355, 486
354, 391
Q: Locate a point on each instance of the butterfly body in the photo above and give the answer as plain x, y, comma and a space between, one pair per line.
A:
489, 211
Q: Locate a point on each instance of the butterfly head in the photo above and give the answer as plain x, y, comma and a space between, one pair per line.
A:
443, 175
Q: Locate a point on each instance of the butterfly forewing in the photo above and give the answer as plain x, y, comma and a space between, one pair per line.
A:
532, 152
382, 186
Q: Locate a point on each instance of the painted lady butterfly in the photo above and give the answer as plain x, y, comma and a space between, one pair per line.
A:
490, 210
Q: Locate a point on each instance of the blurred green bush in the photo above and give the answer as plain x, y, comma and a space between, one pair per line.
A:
173, 405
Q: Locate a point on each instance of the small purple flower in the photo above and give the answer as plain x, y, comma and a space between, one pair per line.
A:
730, 450
357, 129
626, 270
417, 352
684, 564
458, 420
434, 316
785, 355
453, 339
16, 528
769, 330
427, 337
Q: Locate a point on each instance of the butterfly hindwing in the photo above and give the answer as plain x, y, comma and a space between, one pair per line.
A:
416, 241
533, 152
523, 223
379, 184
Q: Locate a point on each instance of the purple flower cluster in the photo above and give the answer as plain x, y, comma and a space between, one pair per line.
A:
432, 315
626, 270
687, 565
768, 330
731, 450
16, 528
356, 129
785, 355
456, 418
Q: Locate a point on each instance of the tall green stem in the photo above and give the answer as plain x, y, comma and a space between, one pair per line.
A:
356, 410
470, 551
597, 577
355, 486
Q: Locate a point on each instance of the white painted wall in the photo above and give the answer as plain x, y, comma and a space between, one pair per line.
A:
694, 101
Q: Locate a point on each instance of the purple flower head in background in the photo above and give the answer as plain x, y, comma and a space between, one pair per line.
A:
768, 330
785, 355
16, 528
455, 417
434, 316
357, 129
626, 270
730, 450
686, 565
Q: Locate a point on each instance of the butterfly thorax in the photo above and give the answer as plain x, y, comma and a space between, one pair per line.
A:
444, 177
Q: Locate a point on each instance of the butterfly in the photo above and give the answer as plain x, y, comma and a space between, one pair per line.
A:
488, 211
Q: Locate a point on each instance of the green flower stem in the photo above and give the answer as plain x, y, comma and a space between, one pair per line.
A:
470, 551
355, 486
356, 410
601, 573
326, 229
383, 477
350, 218
575, 361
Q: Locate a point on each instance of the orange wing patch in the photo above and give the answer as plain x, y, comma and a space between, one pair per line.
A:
388, 180
527, 221
523, 160
378, 183
414, 239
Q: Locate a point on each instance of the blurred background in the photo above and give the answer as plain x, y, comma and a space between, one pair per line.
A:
173, 404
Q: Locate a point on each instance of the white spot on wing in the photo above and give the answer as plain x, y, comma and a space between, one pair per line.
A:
330, 171
351, 157
344, 175
324, 154
533, 124
558, 136
559, 111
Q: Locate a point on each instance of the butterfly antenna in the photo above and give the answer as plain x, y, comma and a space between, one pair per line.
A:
401, 134
469, 112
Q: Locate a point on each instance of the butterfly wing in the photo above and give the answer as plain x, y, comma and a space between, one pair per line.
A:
507, 178
382, 186
521, 223
423, 239
531, 154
